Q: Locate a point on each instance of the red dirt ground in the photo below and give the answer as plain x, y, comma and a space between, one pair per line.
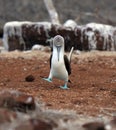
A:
92, 91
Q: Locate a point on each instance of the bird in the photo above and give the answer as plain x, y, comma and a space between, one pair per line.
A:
60, 64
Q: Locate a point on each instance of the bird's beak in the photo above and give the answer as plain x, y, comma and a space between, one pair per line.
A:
58, 51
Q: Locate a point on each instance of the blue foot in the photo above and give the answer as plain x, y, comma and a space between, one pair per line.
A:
64, 87
48, 79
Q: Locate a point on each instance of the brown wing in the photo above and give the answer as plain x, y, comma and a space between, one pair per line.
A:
67, 64
50, 60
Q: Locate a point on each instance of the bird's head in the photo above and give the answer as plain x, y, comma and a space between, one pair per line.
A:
58, 43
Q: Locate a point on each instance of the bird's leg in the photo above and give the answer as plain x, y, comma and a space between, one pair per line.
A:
65, 86
49, 79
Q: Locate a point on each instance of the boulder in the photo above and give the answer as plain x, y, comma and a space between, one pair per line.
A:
92, 36
16, 101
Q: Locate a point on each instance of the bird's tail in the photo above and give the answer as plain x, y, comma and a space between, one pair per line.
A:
70, 54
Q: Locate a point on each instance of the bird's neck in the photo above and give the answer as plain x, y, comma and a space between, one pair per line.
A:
55, 54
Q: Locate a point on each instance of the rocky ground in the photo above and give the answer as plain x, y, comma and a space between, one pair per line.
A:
91, 97
29, 102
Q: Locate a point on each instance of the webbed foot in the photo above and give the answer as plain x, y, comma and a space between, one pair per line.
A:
48, 79
64, 87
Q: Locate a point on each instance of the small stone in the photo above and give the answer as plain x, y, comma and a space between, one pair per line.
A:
37, 47
94, 126
77, 52
111, 125
40, 125
30, 78
47, 49
24, 103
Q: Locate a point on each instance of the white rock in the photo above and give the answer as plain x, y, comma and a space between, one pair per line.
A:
70, 23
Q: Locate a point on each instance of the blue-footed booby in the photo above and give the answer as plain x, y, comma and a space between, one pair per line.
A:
59, 63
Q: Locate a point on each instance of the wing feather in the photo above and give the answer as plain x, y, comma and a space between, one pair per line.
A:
67, 64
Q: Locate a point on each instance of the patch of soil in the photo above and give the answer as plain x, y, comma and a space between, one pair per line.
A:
92, 91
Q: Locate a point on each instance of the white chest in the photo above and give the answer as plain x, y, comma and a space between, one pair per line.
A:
58, 68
